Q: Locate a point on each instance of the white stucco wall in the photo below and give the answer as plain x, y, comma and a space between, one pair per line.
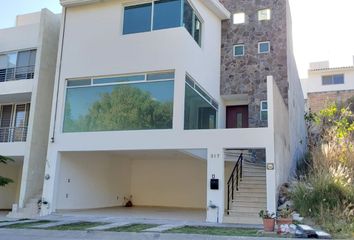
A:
9, 194
296, 104
96, 180
169, 182
313, 83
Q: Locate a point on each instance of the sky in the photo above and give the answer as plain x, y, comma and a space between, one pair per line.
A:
322, 29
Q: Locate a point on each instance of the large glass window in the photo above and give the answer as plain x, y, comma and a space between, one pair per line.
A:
162, 14
123, 105
137, 18
200, 110
167, 14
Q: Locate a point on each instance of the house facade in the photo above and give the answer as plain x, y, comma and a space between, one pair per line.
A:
174, 102
27, 68
326, 85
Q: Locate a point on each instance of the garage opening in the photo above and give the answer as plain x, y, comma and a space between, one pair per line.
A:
162, 184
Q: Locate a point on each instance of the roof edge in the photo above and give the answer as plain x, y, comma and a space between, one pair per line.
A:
213, 5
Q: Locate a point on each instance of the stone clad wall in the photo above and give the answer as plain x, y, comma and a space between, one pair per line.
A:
248, 74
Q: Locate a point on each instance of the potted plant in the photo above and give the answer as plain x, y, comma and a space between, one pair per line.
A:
268, 220
284, 217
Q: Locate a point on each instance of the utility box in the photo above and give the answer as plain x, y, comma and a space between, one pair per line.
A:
214, 184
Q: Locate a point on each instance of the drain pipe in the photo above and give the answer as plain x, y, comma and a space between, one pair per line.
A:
213, 206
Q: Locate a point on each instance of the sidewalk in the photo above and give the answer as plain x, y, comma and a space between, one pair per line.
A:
30, 234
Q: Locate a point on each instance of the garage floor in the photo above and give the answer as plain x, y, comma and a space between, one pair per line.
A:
153, 213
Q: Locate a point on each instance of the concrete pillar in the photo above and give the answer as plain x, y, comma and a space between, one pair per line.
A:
51, 183
271, 181
215, 170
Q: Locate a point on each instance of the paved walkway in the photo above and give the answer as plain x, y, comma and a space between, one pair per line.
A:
29, 234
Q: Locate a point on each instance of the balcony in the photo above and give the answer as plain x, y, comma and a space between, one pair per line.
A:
17, 73
13, 134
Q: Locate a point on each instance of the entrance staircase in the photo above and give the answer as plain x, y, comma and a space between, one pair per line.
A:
30, 210
246, 192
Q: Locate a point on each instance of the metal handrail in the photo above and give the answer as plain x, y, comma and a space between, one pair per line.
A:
13, 134
235, 178
17, 73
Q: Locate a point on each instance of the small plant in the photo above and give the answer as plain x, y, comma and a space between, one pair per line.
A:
268, 220
265, 214
285, 213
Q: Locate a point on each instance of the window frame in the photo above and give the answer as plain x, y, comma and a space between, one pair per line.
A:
269, 17
243, 50
259, 47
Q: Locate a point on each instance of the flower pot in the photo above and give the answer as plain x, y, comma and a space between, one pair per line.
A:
282, 221
268, 224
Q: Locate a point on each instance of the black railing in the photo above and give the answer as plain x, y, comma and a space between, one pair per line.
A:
234, 180
16, 73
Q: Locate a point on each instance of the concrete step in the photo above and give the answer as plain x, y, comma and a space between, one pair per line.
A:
250, 194
246, 182
254, 174
263, 205
253, 178
242, 220
251, 169
241, 209
249, 199
251, 188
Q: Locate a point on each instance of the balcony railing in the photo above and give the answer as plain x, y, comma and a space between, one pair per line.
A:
13, 134
16, 73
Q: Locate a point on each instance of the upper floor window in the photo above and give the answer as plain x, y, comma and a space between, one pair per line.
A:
162, 14
263, 47
17, 65
264, 14
239, 18
239, 50
264, 110
333, 79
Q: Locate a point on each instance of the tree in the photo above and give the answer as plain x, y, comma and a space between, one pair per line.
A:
3, 180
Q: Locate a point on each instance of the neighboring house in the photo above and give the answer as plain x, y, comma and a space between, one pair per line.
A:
158, 100
27, 69
326, 84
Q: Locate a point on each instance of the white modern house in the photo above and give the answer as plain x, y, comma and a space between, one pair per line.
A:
137, 111
27, 68
326, 84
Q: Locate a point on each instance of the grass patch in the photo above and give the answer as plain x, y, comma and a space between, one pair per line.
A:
216, 231
132, 228
75, 226
26, 225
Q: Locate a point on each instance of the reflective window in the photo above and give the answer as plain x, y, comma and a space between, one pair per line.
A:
264, 47
137, 18
239, 50
239, 18
123, 106
264, 14
199, 113
333, 79
167, 14
192, 22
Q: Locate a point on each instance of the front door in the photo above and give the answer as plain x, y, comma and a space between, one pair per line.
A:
237, 116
